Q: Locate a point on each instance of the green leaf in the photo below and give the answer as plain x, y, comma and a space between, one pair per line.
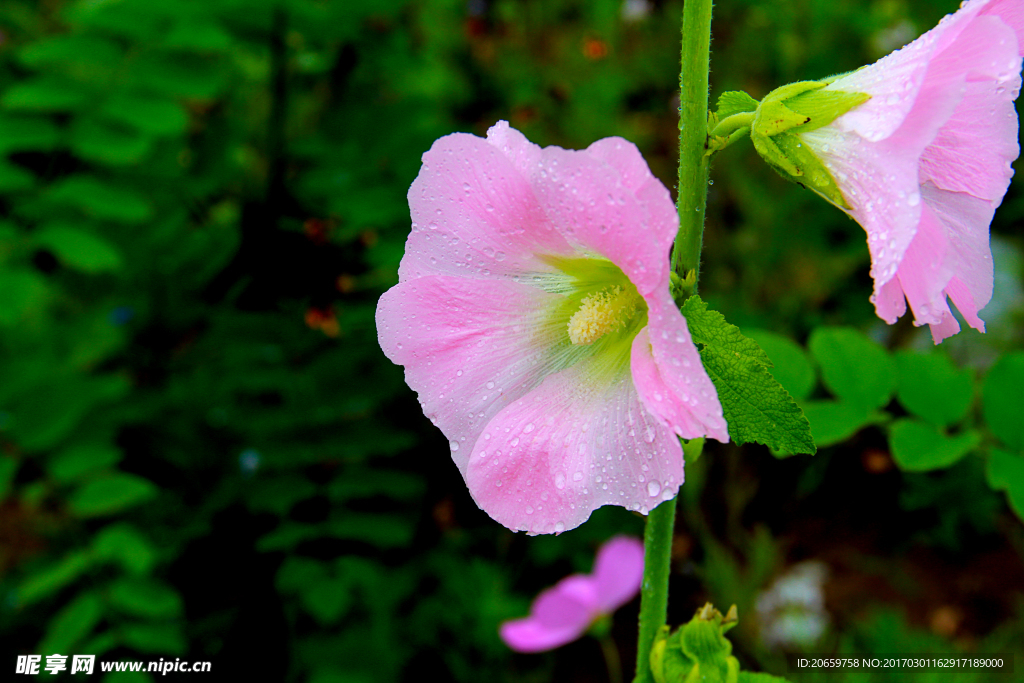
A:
14, 178
178, 75
22, 292
20, 133
154, 637
81, 459
73, 623
79, 249
145, 597
43, 583
53, 408
90, 51
853, 367
45, 93
121, 543
147, 114
735, 102
756, 407
101, 200
111, 493
385, 531
919, 447
96, 140
198, 36
752, 677
932, 388
1005, 472
836, 421
1002, 399
327, 600
790, 364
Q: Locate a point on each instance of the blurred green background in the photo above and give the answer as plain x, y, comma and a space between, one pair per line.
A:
204, 454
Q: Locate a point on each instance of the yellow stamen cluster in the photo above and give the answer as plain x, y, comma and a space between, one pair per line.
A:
601, 313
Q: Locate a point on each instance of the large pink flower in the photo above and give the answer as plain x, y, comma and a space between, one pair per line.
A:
564, 612
925, 162
534, 319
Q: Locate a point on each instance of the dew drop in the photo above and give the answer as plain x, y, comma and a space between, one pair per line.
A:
653, 488
578, 476
528, 428
454, 445
559, 481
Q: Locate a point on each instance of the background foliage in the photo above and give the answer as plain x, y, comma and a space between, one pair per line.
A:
203, 453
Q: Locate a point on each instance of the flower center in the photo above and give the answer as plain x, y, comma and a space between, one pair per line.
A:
600, 313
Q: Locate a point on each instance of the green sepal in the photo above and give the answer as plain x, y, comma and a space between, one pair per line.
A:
798, 108
735, 102
696, 651
756, 407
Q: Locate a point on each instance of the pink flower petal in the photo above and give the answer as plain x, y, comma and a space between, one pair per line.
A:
591, 206
1011, 12
973, 151
544, 428
663, 358
941, 126
577, 442
559, 615
469, 348
618, 572
474, 215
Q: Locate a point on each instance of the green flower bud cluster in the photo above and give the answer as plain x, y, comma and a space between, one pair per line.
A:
697, 651
775, 125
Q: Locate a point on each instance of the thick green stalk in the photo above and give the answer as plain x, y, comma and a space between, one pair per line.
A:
693, 135
693, 187
654, 590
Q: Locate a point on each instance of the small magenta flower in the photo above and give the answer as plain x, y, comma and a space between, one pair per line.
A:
917, 149
534, 320
564, 612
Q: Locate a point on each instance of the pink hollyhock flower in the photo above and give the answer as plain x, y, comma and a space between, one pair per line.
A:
534, 319
564, 612
925, 162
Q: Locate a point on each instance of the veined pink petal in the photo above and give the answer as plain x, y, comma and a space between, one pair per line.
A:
559, 615
475, 215
618, 572
1011, 12
590, 204
690, 404
549, 459
972, 153
469, 347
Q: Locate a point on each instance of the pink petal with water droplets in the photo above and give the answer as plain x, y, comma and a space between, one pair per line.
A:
558, 616
475, 215
1011, 12
618, 572
469, 347
578, 441
952, 147
589, 203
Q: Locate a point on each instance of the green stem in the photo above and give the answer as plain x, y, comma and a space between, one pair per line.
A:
693, 187
611, 659
693, 135
654, 590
